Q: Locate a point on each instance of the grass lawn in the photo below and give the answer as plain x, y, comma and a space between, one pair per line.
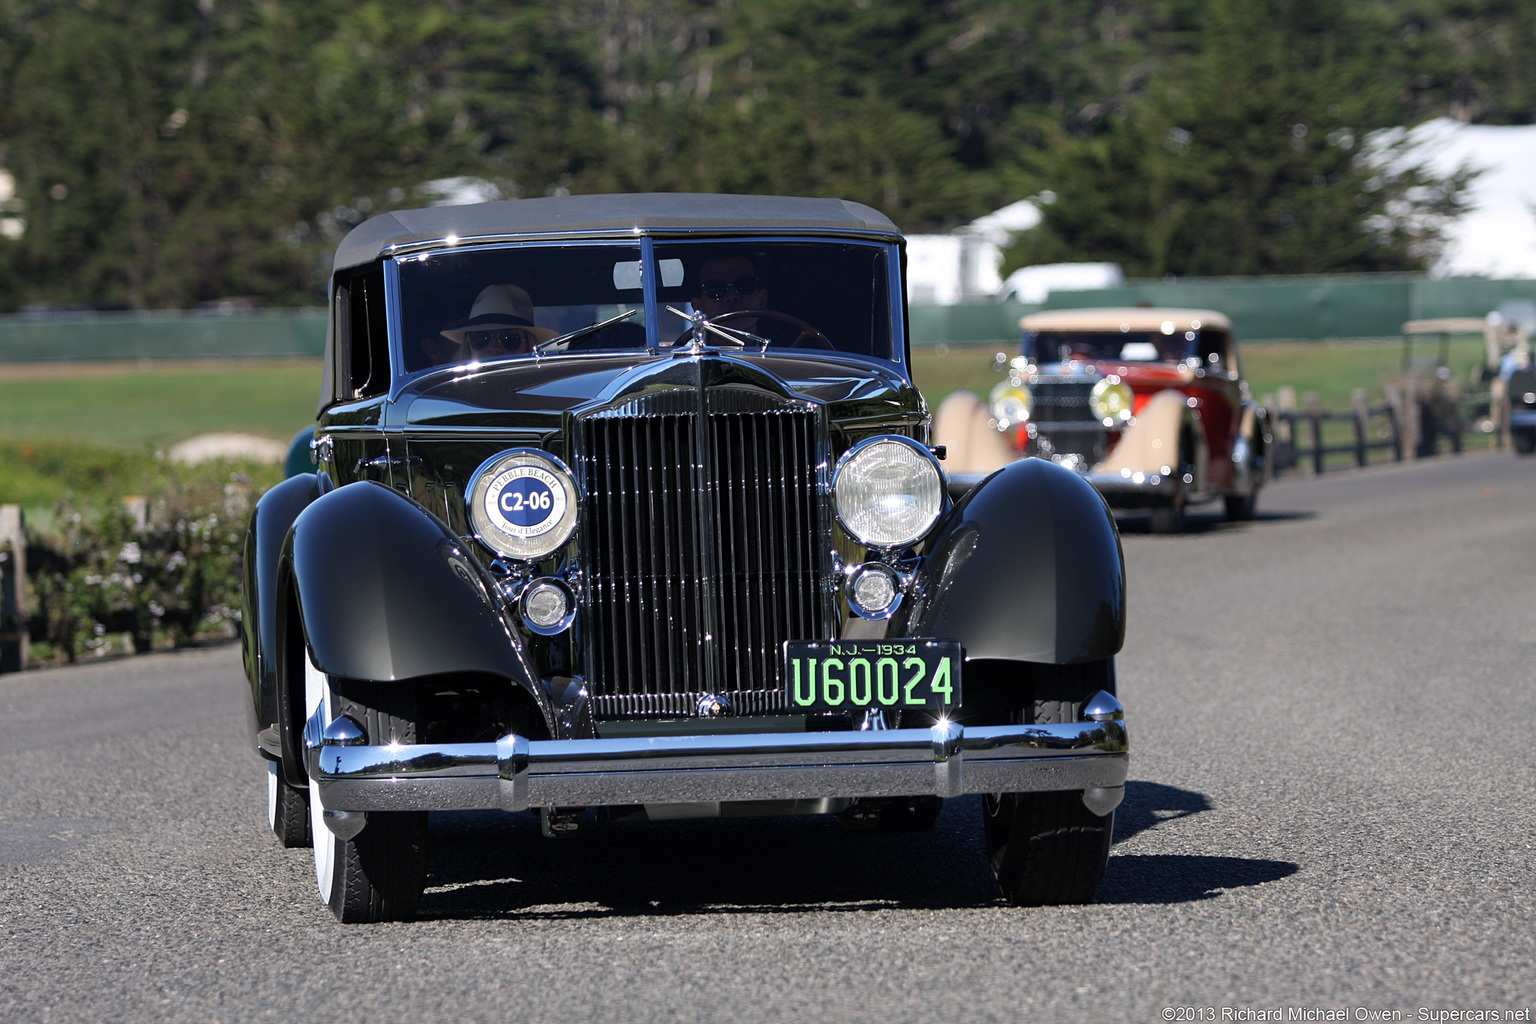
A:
133, 405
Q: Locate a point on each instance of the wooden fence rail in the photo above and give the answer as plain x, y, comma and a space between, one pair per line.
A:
1299, 432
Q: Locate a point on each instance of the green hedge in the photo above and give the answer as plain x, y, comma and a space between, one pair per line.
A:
109, 571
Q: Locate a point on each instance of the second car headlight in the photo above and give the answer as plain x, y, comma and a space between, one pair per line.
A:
1110, 400
889, 491
522, 504
1011, 402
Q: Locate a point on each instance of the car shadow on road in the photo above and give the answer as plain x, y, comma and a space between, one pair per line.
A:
490, 865
1174, 878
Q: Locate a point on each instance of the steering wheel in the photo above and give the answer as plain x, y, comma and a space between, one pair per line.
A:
809, 337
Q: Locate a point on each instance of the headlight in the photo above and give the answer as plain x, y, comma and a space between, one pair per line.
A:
522, 504
547, 606
1110, 399
889, 492
1011, 403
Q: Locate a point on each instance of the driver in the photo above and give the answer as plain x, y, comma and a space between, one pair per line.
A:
730, 284
500, 323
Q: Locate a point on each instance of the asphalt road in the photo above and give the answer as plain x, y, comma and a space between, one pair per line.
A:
1331, 714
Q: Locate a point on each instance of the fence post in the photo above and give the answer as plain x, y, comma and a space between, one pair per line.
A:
1362, 418
1411, 417
13, 590
1315, 417
1285, 424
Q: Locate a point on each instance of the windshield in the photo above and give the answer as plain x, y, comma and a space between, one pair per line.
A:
540, 299
1089, 346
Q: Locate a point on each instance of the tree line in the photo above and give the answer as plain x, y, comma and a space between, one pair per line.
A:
165, 153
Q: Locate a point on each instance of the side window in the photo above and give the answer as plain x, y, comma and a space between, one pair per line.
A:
1213, 350
361, 333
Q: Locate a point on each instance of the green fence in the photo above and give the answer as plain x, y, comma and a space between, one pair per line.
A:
1265, 308
1303, 308
264, 334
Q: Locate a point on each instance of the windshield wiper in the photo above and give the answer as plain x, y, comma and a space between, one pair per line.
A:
559, 344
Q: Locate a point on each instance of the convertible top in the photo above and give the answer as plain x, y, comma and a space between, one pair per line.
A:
663, 212
1136, 318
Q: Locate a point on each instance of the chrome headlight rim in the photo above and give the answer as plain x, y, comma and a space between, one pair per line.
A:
853, 574
1111, 400
849, 518
531, 590
1011, 402
511, 532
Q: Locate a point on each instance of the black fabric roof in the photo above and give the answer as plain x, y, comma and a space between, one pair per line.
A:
667, 212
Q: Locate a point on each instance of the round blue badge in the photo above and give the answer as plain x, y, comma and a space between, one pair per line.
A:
526, 500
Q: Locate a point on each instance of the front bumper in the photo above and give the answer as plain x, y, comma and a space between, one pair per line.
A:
515, 774
1120, 487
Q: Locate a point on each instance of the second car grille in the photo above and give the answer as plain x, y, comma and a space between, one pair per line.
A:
703, 551
1062, 424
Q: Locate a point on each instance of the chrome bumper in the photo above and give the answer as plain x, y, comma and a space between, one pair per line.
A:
1108, 484
516, 774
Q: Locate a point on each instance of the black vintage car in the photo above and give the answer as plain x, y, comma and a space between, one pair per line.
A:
625, 505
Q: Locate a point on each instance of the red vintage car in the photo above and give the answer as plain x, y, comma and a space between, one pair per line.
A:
1149, 405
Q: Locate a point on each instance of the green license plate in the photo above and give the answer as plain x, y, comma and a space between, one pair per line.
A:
859, 675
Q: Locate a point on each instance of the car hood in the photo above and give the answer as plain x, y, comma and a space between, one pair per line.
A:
537, 394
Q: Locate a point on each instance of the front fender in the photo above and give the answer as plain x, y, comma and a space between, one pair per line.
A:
265, 535
1152, 442
1026, 567
386, 592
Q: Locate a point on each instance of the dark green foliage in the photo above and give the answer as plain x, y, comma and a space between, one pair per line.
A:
167, 154
1253, 161
125, 544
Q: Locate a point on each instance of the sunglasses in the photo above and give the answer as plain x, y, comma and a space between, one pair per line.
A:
513, 339
743, 286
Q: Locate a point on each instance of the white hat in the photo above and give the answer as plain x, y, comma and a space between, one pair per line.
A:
499, 306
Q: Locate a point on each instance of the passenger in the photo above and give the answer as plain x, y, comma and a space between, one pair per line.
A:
500, 323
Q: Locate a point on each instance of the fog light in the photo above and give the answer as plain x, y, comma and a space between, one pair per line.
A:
547, 606
874, 591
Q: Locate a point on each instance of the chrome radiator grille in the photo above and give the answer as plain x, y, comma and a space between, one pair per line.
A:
703, 546
1058, 400
1062, 423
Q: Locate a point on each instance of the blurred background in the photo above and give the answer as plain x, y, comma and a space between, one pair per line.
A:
175, 174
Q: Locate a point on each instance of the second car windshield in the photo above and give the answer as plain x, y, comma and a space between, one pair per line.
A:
1092, 346
510, 301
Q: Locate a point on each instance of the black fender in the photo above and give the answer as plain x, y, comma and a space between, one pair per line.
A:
1027, 566
265, 535
386, 592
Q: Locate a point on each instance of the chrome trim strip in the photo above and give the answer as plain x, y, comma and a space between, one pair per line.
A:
515, 773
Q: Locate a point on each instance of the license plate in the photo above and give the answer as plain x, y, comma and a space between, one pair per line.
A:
859, 675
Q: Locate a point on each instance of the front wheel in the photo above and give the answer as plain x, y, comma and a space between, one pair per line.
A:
378, 874
287, 809
1524, 439
1169, 517
1049, 849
